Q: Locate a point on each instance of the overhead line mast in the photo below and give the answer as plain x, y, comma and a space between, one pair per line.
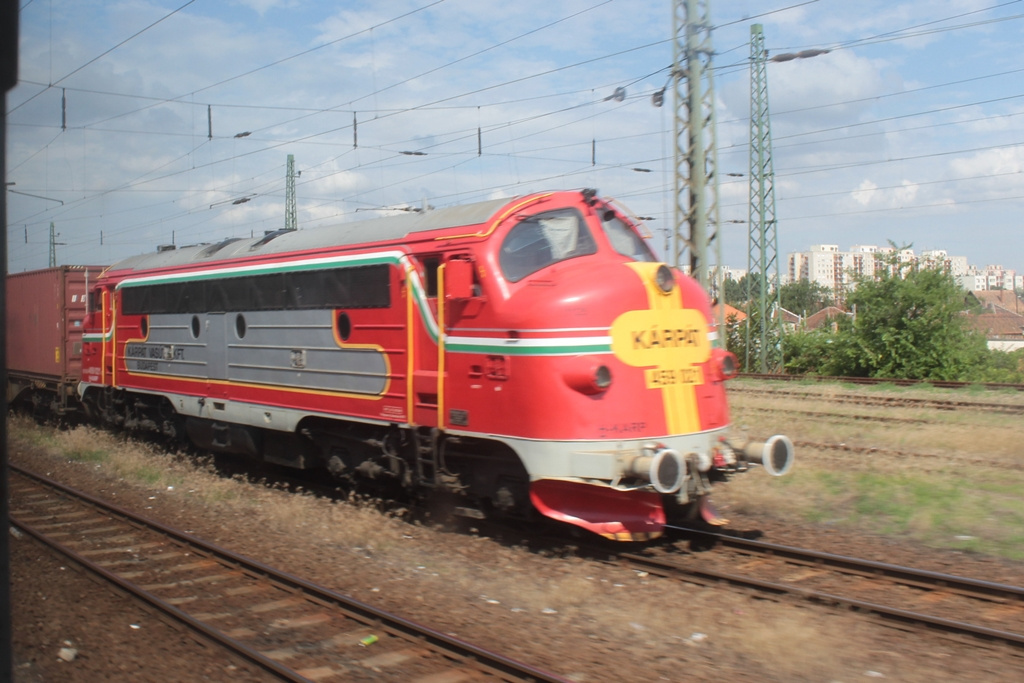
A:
695, 154
764, 314
291, 220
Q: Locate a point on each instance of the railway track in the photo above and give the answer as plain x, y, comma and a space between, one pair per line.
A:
952, 604
280, 623
940, 384
844, 449
844, 417
884, 401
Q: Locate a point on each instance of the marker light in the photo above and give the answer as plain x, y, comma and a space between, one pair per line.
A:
586, 378
726, 363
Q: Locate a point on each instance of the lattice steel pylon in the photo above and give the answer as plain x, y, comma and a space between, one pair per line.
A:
53, 245
290, 209
695, 153
764, 314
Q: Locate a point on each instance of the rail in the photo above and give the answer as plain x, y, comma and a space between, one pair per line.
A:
104, 530
941, 384
955, 598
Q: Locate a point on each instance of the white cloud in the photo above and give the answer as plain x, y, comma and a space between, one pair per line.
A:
864, 193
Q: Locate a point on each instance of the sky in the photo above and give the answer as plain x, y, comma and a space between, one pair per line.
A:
139, 123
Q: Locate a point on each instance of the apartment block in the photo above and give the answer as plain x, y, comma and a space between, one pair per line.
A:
838, 270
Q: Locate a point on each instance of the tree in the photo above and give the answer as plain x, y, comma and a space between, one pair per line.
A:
907, 323
805, 297
910, 323
736, 341
736, 291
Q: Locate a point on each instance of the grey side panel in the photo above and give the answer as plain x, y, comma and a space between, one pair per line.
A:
293, 349
170, 349
298, 349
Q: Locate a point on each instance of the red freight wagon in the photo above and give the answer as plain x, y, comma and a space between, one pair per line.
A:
45, 309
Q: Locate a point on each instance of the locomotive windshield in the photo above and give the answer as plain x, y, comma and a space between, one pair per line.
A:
538, 241
624, 239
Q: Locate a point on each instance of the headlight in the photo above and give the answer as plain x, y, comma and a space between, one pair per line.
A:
664, 278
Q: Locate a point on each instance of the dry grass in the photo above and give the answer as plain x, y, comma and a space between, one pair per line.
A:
785, 644
352, 525
965, 434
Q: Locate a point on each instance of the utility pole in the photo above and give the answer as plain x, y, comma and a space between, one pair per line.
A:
764, 334
290, 210
695, 153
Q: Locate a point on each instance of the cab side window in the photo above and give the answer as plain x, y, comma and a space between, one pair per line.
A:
625, 239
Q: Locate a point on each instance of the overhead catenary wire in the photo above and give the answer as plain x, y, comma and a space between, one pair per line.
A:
420, 107
523, 153
315, 135
467, 132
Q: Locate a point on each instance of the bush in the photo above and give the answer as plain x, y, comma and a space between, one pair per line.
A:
1001, 366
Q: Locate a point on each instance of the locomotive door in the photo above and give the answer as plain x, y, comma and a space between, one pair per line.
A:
453, 278
106, 319
423, 343
460, 303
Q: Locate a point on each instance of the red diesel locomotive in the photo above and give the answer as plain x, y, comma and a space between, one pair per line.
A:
525, 354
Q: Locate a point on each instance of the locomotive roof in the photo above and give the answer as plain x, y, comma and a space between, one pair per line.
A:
384, 229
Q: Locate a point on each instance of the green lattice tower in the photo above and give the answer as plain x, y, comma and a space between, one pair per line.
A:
764, 315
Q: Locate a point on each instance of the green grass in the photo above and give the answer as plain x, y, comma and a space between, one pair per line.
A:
977, 511
86, 455
149, 475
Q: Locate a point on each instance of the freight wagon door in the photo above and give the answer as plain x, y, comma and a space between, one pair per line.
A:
74, 313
